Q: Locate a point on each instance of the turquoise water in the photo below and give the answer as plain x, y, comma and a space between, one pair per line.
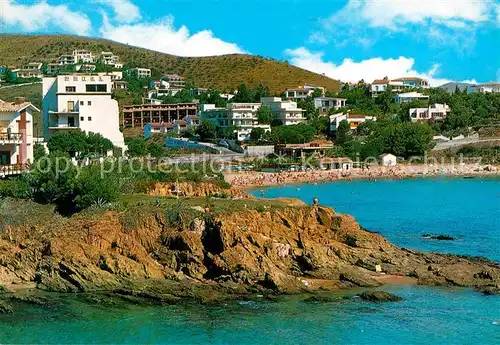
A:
402, 210
427, 316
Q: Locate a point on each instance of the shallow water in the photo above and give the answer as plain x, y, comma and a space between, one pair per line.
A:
400, 210
404, 210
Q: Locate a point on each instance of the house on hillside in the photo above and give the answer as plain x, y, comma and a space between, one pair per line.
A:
410, 97
84, 102
354, 120
140, 72
379, 86
138, 115
285, 111
16, 135
241, 116
435, 112
325, 104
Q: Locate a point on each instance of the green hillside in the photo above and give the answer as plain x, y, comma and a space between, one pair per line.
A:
224, 73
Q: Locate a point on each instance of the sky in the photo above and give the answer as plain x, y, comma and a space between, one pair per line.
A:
349, 40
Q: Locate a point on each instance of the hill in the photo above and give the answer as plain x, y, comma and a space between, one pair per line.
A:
224, 73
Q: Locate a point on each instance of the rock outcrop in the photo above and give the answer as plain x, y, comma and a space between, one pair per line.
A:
288, 250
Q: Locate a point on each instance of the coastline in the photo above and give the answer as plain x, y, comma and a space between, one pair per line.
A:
248, 180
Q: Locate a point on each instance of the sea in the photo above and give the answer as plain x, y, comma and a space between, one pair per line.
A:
403, 211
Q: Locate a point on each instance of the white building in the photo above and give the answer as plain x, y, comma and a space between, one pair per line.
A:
83, 56
286, 111
81, 102
410, 97
140, 72
108, 58
435, 112
243, 116
484, 88
353, 119
388, 160
67, 59
325, 104
298, 93
16, 134
398, 85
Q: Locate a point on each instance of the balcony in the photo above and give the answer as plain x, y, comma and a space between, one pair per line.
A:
12, 169
11, 138
62, 126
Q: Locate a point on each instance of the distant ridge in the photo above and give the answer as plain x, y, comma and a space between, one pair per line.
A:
452, 86
222, 72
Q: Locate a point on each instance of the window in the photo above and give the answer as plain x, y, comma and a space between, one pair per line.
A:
89, 118
82, 118
82, 102
71, 105
96, 88
70, 88
89, 103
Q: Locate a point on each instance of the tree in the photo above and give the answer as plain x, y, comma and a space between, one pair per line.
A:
206, 130
70, 142
137, 147
343, 132
308, 105
39, 151
257, 133
244, 94
293, 134
96, 143
154, 149
265, 114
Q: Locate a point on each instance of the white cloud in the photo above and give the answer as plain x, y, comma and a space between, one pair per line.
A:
392, 14
125, 11
41, 15
368, 70
163, 37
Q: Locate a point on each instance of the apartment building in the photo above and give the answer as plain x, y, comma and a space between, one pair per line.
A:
484, 88
81, 101
410, 97
83, 56
140, 72
67, 59
326, 104
286, 111
142, 114
303, 91
30, 70
354, 120
108, 58
242, 116
435, 112
398, 85
16, 135
174, 81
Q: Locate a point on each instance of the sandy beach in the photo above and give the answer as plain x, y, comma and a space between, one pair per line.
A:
252, 179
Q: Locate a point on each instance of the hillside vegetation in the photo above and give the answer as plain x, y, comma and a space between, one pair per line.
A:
224, 73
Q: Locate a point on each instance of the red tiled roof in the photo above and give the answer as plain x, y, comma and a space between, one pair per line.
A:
381, 81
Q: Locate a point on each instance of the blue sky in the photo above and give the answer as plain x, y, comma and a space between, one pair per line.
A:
350, 40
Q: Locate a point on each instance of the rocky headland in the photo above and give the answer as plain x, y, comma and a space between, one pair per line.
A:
168, 252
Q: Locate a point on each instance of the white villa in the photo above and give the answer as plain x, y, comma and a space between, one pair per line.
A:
397, 85
324, 104
354, 120
140, 72
303, 91
83, 56
484, 88
81, 101
435, 112
410, 97
16, 134
243, 116
286, 111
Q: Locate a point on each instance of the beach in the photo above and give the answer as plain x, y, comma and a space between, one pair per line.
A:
253, 179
